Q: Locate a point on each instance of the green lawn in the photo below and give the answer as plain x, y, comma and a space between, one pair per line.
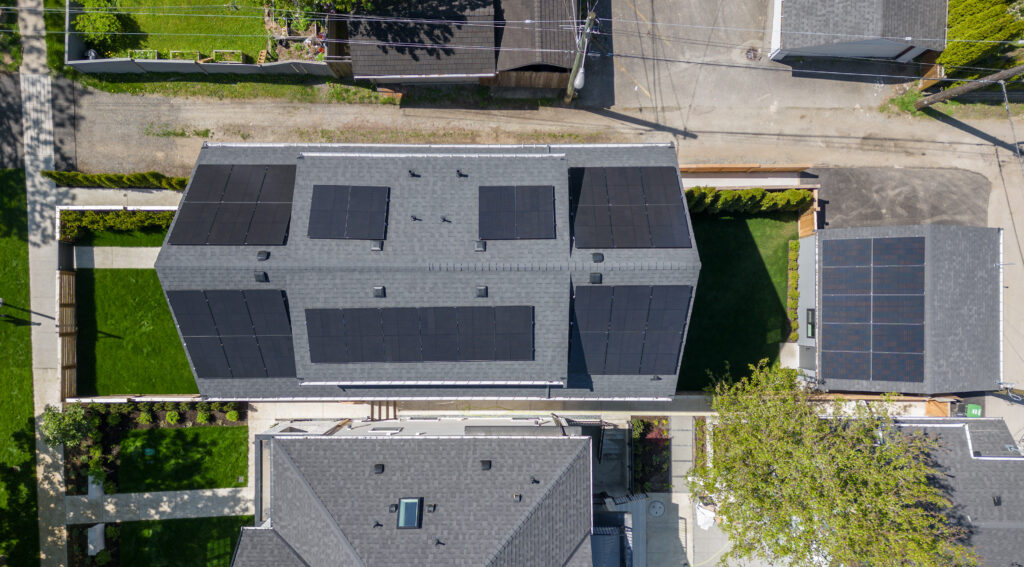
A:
196, 25
19, 541
183, 459
199, 542
739, 314
131, 238
127, 343
10, 41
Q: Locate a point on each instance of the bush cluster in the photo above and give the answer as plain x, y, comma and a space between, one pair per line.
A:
144, 180
793, 295
76, 224
710, 201
978, 26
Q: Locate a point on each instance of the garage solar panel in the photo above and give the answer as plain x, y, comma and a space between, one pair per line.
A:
278, 184
873, 302
328, 211
267, 311
229, 312
269, 225
348, 212
207, 183
244, 184
191, 313
243, 355
516, 213
278, 355
661, 185
193, 223
231, 224
207, 357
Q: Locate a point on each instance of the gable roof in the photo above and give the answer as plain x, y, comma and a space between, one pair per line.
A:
406, 38
549, 41
812, 23
961, 317
327, 501
978, 468
426, 263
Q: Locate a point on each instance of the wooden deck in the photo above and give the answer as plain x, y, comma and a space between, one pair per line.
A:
67, 328
808, 222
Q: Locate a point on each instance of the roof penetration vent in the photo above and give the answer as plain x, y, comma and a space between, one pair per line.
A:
481, 291
485, 465
263, 255
378, 468
597, 257
378, 291
595, 278
377, 245
517, 497
480, 246
261, 277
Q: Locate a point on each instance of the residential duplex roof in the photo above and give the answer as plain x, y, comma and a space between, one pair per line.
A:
334, 501
812, 23
429, 276
984, 473
911, 309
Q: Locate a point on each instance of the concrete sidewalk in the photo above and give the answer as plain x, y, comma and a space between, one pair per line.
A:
171, 505
137, 257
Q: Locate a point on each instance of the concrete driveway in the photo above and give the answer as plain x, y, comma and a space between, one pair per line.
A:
884, 196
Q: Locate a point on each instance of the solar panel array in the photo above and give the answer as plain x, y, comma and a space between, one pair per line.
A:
420, 334
628, 207
872, 309
632, 329
236, 205
349, 212
516, 213
235, 333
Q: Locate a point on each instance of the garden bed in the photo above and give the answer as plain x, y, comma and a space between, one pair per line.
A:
199, 542
652, 455
155, 446
127, 342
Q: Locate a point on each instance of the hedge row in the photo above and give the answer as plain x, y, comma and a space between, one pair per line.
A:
76, 224
145, 180
710, 201
977, 26
793, 293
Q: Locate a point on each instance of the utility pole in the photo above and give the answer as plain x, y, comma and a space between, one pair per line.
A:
968, 87
581, 49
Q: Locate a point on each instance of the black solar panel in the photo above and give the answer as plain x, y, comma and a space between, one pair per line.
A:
347, 212
221, 208
420, 334
628, 207
192, 313
628, 329
207, 357
243, 354
872, 309
278, 355
229, 312
267, 311
516, 213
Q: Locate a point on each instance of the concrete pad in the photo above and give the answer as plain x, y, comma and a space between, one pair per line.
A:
667, 534
132, 257
789, 355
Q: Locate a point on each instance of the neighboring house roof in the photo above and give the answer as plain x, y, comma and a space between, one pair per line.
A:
912, 309
329, 507
984, 473
428, 38
526, 316
812, 23
549, 41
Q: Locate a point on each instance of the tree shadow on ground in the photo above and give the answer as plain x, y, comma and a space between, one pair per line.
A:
19, 530
175, 461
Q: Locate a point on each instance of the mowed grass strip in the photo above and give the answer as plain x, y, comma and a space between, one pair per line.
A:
739, 313
130, 238
188, 458
198, 542
127, 342
19, 539
197, 25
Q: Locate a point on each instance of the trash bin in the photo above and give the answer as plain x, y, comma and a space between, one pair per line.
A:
973, 410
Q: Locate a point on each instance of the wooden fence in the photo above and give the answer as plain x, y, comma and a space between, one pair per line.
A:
67, 328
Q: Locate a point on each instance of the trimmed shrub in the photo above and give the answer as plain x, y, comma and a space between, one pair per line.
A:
164, 406
112, 531
216, 406
202, 417
69, 427
793, 293
146, 180
172, 417
232, 416
103, 557
708, 200
983, 23
144, 418
698, 198
229, 406
98, 409
76, 224
184, 407
114, 419
202, 406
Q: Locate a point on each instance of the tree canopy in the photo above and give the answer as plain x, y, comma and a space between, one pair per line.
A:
794, 487
68, 428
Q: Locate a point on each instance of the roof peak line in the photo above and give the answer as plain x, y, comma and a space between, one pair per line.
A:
554, 156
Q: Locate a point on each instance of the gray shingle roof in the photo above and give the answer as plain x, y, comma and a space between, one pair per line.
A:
432, 263
549, 41
463, 45
812, 23
996, 532
262, 547
962, 309
326, 499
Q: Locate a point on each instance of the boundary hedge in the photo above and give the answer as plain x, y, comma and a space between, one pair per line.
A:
793, 295
76, 224
978, 26
710, 201
144, 180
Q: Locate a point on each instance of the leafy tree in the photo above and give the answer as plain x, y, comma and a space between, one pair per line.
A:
794, 487
99, 24
319, 6
982, 23
68, 428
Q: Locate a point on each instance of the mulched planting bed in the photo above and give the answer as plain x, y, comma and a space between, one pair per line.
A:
652, 455
112, 423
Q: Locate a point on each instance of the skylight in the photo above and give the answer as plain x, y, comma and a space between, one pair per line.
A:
410, 513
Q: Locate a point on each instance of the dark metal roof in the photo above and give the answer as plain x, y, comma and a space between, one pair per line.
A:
430, 263
962, 306
330, 507
813, 23
550, 40
432, 38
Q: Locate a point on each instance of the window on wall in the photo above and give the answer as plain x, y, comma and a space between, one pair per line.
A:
410, 513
